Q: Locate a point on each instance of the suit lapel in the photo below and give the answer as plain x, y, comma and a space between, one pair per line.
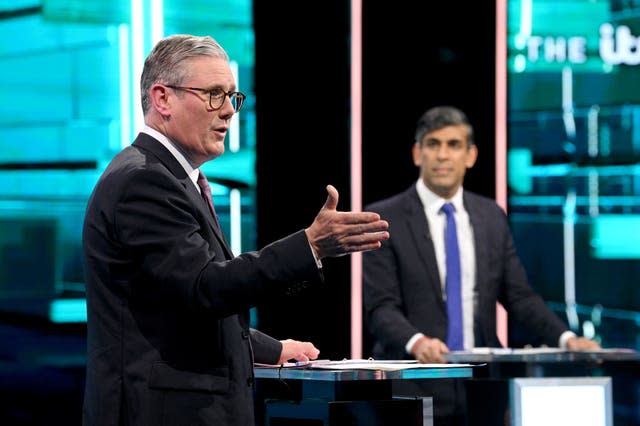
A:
480, 239
197, 199
419, 230
148, 143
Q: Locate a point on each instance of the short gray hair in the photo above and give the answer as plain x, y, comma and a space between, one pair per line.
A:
167, 63
439, 117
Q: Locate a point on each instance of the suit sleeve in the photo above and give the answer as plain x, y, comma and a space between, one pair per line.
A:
383, 299
520, 299
266, 349
162, 232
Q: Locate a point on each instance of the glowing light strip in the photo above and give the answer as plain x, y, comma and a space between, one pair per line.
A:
235, 200
356, 172
526, 13
125, 85
68, 310
501, 132
137, 63
567, 102
235, 211
568, 223
234, 131
157, 21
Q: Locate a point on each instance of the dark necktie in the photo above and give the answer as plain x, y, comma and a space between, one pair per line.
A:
454, 298
205, 191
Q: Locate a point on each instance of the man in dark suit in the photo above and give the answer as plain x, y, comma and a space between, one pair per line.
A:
168, 336
404, 281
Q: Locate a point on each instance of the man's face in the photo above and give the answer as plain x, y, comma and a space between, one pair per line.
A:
444, 156
193, 124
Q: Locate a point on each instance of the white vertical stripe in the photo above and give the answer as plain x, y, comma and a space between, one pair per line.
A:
125, 85
235, 218
157, 21
234, 130
137, 63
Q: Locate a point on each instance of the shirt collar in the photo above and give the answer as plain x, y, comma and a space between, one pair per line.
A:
175, 151
433, 202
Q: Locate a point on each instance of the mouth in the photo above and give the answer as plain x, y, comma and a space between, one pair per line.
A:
441, 171
222, 131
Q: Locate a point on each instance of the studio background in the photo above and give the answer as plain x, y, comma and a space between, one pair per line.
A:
67, 105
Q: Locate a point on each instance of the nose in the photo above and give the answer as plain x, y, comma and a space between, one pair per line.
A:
227, 110
443, 151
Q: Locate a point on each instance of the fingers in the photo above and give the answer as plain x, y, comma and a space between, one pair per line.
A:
363, 242
355, 218
309, 351
299, 351
339, 245
582, 344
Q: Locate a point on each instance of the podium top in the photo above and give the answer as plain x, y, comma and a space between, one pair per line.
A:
336, 371
539, 355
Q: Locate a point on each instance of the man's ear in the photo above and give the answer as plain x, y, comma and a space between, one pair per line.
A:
472, 156
417, 154
160, 99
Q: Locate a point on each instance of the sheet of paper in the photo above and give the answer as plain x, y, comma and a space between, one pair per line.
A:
361, 364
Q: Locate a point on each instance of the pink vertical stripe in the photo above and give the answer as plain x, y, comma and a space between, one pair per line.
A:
501, 135
356, 172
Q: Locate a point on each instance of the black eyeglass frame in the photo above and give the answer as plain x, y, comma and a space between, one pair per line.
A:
239, 96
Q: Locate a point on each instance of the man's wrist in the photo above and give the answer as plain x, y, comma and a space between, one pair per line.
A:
564, 338
315, 256
411, 344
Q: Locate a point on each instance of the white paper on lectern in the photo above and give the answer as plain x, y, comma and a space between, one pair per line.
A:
370, 364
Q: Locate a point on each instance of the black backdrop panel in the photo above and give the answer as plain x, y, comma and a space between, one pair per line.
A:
416, 55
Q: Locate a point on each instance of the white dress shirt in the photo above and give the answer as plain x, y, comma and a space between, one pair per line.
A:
432, 204
176, 152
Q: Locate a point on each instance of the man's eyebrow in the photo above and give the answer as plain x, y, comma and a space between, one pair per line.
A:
213, 87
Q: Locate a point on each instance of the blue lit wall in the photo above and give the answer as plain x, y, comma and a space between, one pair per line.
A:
574, 159
64, 115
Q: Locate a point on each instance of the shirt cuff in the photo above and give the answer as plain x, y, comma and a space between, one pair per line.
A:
562, 342
412, 342
318, 261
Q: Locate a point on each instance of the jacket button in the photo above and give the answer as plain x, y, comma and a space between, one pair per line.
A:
245, 334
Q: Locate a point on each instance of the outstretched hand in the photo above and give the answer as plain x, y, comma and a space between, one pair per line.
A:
335, 233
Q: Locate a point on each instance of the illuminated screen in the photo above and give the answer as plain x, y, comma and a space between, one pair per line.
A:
552, 401
573, 152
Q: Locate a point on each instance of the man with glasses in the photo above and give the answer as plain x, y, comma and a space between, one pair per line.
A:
168, 335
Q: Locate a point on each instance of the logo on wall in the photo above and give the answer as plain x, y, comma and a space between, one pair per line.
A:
616, 46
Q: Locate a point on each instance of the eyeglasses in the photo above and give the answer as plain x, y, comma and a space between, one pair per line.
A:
217, 96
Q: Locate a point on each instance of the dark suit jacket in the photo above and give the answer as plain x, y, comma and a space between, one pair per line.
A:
168, 335
402, 288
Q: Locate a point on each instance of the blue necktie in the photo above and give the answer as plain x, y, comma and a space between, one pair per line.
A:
455, 340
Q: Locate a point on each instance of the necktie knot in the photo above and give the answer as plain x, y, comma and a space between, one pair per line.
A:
448, 208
